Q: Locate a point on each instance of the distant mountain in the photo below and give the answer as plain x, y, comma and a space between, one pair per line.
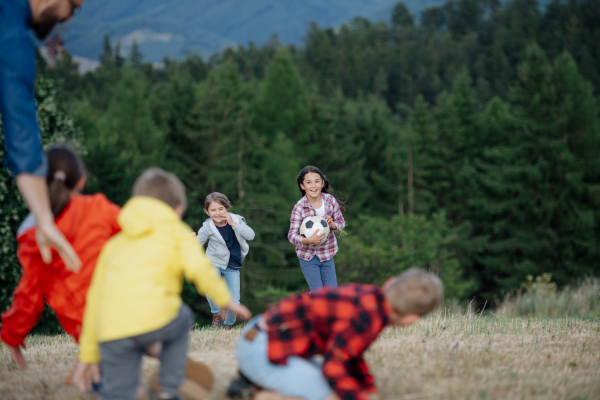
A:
172, 27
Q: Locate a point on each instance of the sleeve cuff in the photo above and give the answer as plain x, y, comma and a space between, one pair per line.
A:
89, 356
41, 170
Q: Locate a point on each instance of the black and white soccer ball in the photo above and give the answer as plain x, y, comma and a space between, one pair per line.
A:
312, 224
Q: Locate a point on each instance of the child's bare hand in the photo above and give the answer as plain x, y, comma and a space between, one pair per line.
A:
229, 219
315, 238
85, 374
332, 224
241, 310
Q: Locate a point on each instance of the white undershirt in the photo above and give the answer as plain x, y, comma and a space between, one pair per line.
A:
321, 210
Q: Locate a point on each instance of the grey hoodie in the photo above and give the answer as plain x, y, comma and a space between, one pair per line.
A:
217, 251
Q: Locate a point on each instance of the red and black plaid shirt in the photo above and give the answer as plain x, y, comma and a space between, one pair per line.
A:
339, 323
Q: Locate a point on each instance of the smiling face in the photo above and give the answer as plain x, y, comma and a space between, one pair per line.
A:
312, 185
217, 212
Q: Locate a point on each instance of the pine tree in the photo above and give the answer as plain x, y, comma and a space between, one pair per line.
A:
536, 212
401, 17
459, 135
282, 104
135, 56
106, 58
124, 141
430, 179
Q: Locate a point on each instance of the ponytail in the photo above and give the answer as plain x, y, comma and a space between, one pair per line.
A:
65, 169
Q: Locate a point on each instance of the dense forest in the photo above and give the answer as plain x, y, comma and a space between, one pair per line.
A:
464, 141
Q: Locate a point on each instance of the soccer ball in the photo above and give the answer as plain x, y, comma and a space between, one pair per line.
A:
312, 224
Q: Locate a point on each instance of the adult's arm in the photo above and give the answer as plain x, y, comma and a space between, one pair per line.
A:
17, 103
35, 194
24, 157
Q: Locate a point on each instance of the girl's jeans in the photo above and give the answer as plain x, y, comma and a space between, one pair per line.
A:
232, 277
318, 274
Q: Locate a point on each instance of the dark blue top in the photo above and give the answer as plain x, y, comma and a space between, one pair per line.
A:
17, 104
235, 251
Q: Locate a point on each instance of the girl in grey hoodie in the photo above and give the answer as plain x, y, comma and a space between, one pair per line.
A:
227, 235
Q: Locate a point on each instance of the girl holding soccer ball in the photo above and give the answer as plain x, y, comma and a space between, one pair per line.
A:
316, 259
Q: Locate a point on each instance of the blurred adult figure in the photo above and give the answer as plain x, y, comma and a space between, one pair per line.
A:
24, 157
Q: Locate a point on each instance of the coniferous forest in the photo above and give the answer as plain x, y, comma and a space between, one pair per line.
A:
465, 140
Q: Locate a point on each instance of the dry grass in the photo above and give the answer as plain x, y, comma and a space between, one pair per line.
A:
540, 298
443, 357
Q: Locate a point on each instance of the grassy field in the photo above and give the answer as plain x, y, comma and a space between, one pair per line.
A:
443, 357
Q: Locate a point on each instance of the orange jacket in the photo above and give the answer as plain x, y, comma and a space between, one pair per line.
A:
87, 222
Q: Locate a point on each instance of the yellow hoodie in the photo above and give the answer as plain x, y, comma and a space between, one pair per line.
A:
136, 287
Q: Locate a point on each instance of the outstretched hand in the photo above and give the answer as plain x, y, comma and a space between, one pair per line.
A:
49, 236
35, 193
85, 374
240, 310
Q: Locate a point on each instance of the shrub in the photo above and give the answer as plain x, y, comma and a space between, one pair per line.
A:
540, 298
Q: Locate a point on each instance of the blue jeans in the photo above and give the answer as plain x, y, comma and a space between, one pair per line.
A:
298, 378
232, 278
317, 273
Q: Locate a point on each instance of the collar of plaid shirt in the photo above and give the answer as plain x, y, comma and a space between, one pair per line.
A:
324, 196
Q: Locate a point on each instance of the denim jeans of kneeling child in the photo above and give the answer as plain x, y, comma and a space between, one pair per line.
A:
232, 278
298, 378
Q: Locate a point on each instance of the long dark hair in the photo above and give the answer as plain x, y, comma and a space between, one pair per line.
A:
65, 169
326, 186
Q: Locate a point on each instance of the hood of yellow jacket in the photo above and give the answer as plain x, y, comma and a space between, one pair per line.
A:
142, 215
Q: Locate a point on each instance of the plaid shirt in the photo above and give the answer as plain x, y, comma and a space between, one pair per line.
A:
302, 210
339, 323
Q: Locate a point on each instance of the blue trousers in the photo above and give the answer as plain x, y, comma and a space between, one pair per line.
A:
232, 278
298, 378
317, 273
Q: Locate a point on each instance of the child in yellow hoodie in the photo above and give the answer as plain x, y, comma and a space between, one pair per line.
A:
134, 301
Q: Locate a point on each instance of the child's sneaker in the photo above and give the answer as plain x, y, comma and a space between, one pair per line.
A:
241, 389
216, 322
227, 327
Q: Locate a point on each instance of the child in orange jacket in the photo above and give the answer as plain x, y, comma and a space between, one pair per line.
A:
87, 221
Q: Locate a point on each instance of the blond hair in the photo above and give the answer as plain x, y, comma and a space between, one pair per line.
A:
415, 292
161, 185
217, 197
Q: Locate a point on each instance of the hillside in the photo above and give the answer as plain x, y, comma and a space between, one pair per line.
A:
442, 357
170, 28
